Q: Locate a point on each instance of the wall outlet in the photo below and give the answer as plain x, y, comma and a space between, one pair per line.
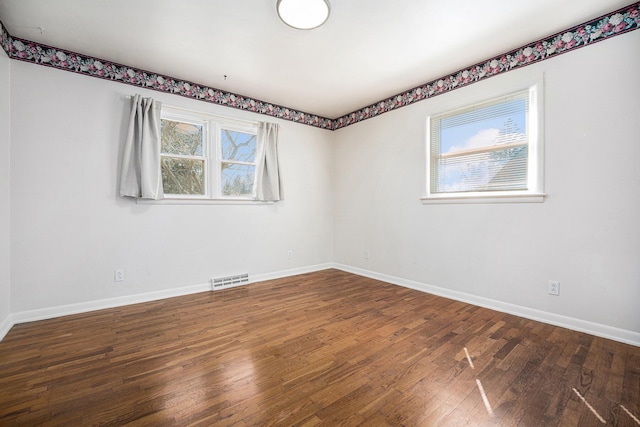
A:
118, 276
289, 254
554, 287
367, 254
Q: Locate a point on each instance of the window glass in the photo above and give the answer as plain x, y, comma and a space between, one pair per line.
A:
238, 162
484, 148
237, 179
238, 146
182, 176
181, 138
207, 157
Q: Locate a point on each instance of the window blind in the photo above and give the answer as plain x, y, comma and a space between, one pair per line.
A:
481, 148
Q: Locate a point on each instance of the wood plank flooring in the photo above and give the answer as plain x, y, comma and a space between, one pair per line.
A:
327, 348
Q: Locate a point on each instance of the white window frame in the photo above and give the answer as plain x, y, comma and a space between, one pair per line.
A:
535, 167
212, 153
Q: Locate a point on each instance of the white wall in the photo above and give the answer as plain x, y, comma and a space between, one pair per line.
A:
586, 234
346, 192
70, 230
5, 291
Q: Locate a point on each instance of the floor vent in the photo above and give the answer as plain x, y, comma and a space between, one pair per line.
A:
224, 282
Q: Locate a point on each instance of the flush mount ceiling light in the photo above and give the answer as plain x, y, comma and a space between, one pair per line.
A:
303, 14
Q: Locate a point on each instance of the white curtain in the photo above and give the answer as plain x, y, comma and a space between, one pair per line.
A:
268, 185
141, 176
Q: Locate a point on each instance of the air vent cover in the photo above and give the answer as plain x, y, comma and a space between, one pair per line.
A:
225, 282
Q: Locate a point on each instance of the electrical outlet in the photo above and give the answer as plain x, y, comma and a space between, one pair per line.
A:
554, 287
289, 254
118, 276
367, 254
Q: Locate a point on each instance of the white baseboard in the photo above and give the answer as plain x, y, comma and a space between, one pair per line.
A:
5, 326
83, 307
290, 272
604, 331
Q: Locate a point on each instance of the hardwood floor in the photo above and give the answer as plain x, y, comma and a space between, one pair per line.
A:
327, 348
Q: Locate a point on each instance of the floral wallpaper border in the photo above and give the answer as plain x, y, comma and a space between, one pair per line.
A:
604, 27
28, 51
615, 23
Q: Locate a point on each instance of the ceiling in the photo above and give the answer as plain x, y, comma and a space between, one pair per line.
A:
367, 51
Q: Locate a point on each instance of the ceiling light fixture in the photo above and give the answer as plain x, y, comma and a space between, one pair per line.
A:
303, 14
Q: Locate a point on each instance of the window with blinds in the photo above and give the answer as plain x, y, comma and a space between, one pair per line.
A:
485, 149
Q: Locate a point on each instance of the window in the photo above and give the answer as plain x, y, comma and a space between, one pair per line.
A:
491, 149
237, 165
182, 157
207, 157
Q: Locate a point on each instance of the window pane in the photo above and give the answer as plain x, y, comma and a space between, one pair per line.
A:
485, 171
485, 131
238, 146
482, 148
181, 138
182, 176
237, 180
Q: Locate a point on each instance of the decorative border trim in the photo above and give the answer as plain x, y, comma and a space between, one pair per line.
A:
4, 38
28, 51
613, 24
607, 26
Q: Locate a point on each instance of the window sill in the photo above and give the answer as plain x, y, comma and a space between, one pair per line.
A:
511, 198
200, 201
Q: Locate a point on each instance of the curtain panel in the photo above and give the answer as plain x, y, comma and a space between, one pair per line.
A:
141, 176
268, 182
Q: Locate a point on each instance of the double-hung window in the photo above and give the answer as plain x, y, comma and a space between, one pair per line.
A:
491, 149
184, 156
206, 157
237, 161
